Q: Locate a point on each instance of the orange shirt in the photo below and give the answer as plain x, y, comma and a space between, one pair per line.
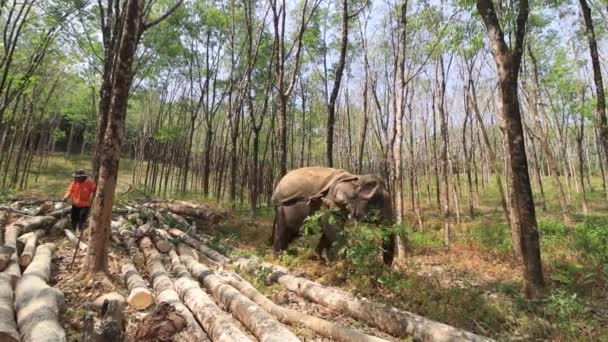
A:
81, 193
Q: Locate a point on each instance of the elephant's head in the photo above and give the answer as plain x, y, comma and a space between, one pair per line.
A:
358, 195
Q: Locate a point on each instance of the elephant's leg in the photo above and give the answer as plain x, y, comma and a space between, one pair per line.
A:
328, 237
388, 246
279, 238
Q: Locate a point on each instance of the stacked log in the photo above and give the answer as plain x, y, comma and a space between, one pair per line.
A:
37, 304
293, 317
259, 322
396, 322
218, 325
165, 293
189, 209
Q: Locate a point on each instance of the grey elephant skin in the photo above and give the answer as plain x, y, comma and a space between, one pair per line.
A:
303, 191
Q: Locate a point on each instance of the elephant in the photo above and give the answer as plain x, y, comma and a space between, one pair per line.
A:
301, 192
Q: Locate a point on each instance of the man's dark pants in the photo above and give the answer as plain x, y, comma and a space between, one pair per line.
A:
79, 216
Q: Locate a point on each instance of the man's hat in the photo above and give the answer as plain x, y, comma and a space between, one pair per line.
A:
79, 174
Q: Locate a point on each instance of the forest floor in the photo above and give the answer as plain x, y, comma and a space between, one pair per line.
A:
474, 285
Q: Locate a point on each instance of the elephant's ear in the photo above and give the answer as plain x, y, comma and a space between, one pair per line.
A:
343, 177
369, 187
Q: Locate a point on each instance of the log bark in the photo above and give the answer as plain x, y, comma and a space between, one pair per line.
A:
74, 240
391, 320
8, 326
140, 297
60, 225
12, 269
218, 325
37, 304
182, 248
29, 240
211, 253
328, 329
165, 293
262, 324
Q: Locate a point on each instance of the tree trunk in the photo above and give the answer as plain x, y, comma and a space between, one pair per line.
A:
522, 202
601, 121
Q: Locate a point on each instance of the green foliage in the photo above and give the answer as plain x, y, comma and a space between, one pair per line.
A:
6, 194
552, 229
591, 237
564, 305
494, 237
421, 241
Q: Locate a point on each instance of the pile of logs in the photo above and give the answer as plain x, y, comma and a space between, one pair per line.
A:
192, 290
29, 307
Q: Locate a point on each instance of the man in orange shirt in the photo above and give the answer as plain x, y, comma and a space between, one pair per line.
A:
81, 191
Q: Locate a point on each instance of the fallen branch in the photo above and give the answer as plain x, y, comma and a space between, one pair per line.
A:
391, 320
163, 324
140, 297
262, 324
165, 293
37, 304
328, 329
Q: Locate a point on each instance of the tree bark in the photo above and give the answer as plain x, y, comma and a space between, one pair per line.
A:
29, 240
8, 326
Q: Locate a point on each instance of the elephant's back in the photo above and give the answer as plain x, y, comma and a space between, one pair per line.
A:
302, 183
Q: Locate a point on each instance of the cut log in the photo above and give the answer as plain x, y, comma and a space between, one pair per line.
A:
189, 209
328, 329
37, 222
161, 325
37, 304
74, 240
259, 322
396, 322
8, 326
129, 242
165, 292
140, 297
218, 325
11, 233
211, 253
29, 240
12, 269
